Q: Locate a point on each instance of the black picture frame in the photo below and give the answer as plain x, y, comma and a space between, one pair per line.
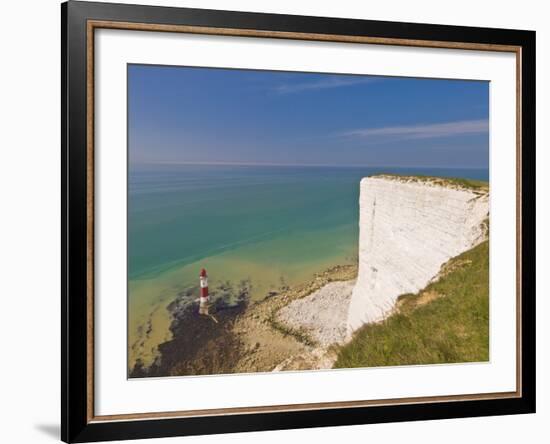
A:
76, 423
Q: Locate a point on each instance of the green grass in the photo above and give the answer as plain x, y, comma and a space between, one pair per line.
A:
447, 322
477, 185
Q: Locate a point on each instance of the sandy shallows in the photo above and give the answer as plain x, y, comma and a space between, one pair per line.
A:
251, 337
323, 314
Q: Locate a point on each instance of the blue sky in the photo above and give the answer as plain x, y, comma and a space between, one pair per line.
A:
205, 115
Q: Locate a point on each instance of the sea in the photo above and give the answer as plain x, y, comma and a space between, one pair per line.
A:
272, 226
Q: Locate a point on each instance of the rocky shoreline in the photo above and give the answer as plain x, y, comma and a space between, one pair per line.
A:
322, 315
291, 329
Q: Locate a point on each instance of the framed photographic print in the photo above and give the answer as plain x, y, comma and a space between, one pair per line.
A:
275, 221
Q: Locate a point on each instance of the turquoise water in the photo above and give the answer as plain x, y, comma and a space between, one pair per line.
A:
180, 214
267, 224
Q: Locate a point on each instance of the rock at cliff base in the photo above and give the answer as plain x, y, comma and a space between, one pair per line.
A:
322, 314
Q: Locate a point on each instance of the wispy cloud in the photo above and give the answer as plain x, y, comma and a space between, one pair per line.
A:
325, 83
422, 131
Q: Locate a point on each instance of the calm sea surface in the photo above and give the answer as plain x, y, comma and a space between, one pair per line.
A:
267, 224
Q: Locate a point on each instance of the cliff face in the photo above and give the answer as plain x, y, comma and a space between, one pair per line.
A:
408, 228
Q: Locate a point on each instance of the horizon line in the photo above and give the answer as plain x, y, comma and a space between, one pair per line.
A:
267, 164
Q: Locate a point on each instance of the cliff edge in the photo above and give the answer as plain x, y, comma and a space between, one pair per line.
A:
408, 228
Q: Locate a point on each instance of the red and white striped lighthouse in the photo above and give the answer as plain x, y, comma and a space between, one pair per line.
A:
203, 305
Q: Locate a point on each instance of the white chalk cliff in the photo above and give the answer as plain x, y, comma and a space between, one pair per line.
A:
408, 228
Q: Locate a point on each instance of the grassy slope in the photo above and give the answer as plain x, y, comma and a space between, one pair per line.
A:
447, 322
469, 184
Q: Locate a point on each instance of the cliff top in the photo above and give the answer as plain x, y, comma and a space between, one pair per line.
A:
451, 182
